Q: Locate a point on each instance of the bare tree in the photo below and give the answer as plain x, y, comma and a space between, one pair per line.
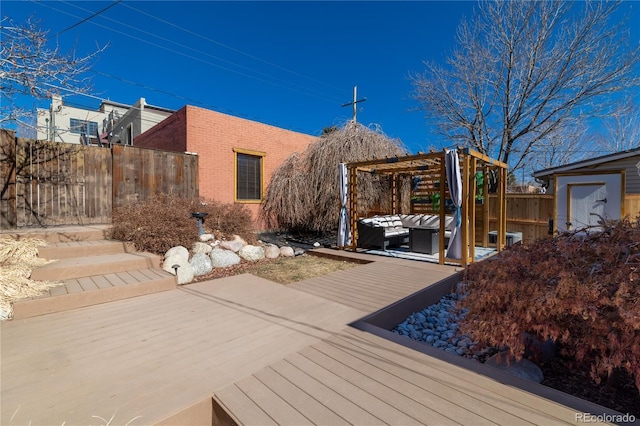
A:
621, 127
30, 68
522, 69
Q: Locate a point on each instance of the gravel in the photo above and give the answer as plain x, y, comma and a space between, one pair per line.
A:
438, 326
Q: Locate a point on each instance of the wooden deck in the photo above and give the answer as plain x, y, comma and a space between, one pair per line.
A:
265, 353
146, 357
357, 378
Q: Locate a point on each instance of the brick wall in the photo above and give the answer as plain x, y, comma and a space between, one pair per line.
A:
213, 136
170, 134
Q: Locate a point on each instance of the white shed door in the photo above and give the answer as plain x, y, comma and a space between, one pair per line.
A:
587, 205
581, 198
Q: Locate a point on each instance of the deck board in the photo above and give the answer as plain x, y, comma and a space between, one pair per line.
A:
266, 353
179, 345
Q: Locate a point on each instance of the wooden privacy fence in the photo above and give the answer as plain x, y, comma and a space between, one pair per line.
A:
526, 213
46, 183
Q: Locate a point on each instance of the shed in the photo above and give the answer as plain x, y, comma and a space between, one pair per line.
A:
606, 187
428, 178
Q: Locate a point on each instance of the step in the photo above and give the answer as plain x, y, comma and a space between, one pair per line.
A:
86, 266
84, 248
61, 234
94, 290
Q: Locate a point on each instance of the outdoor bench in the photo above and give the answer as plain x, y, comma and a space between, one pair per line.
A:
381, 232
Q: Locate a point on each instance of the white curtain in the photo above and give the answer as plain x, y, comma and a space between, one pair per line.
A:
454, 180
344, 234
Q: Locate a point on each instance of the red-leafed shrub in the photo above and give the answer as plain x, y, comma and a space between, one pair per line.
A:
581, 290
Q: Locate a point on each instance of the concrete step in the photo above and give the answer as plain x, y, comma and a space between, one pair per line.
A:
94, 290
87, 266
61, 234
84, 248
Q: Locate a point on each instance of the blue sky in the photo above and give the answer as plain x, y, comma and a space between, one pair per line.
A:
289, 64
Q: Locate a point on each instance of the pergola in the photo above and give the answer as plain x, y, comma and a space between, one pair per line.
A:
428, 180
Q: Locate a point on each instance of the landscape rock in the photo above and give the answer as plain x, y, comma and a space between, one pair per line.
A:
286, 251
178, 250
201, 264
271, 251
221, 258
234, 245
206, 237
185, 271
251, 253
524, 368
199, 247
298, 251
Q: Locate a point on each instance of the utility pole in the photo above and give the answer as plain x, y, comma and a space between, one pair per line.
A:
354, 102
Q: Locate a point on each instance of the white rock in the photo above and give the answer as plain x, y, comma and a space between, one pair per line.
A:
185, 271
180, 250
271, 251
206, 237
251, 253
199, 247
233, 245
316, 244
201, 264
286, 251
222, 258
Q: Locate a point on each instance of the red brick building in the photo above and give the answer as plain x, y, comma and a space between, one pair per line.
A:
236, 156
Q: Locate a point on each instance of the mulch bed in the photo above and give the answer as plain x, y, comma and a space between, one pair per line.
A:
620, 393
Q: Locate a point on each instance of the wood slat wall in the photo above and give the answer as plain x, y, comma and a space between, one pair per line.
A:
44, 183
526, 213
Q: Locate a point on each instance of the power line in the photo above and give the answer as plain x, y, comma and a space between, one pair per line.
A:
276, 84
232, 48
90, 17
295, 87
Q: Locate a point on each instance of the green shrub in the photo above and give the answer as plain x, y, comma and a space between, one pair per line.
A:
581, 291
164, 221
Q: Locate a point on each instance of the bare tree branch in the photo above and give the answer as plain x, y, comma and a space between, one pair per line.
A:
29, 67
523, 70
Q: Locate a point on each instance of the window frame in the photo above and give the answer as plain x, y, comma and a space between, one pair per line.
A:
77, 129
261, 155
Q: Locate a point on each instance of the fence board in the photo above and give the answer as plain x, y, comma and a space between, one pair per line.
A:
46, 183
526, 213
632, 205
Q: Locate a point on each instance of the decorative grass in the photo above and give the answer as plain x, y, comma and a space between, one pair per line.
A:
17, 259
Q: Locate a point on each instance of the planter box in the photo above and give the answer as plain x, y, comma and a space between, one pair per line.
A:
381, 323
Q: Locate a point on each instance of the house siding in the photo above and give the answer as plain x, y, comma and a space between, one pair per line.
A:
632, 178
213, 136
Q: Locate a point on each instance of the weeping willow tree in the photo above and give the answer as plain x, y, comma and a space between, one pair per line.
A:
304, 191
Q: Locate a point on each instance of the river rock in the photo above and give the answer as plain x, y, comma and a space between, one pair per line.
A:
234, 245
271, 251
199, 247
251, 253
185, 271
206, 237
179, 250
201, 264
286, 251
223, 258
